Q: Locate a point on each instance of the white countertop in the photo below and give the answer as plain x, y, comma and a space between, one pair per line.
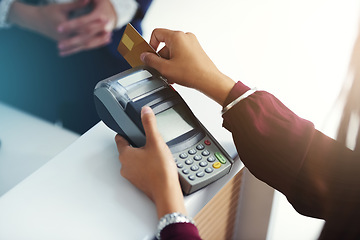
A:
27, 143
80, 194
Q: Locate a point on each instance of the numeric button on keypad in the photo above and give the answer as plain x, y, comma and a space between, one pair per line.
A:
186, 171
179, 165
209, 170
200, 174
203, 164
189, 161
211, 159
197, 158
194, 168
200, 147
192, 151
205, 153
191, 177
183, 155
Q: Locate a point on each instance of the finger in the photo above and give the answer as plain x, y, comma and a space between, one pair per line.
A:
77, 24
84, 35
71, 51
158, 36
121, 143
154, 61
76, 42
149, 123
165, 52
96, 42
94, 28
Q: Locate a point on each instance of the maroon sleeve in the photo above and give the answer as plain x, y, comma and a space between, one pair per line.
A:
271, 140
180, 231
281, 149
319, 176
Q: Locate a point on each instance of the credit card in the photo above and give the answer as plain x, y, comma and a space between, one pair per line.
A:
131, 45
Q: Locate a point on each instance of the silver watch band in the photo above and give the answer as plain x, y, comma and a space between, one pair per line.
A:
172, 218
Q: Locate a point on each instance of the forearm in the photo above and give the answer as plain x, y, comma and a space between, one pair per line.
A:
312, 170
272, 141
329, 178
216, 85
169, 201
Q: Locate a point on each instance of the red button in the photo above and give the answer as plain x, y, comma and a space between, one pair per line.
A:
207, 142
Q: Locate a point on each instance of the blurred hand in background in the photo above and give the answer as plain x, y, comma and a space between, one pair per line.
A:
90, 30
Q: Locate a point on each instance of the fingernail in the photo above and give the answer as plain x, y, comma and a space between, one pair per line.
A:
142, 57
60, 46
145, 110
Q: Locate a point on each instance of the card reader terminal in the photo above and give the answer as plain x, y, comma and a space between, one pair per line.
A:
199, 157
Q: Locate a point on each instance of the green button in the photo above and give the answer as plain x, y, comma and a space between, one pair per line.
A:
220, 157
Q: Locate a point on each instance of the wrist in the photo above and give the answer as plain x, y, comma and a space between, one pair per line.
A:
169, 199
217, 86
22, 15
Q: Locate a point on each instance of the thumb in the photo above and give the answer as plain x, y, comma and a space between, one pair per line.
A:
149, 123
152, 60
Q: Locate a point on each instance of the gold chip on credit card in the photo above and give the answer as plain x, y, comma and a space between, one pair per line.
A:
131, 45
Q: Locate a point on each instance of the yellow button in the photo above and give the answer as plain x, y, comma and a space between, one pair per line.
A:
216, 165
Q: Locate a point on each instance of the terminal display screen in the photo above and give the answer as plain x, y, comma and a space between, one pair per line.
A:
173, 123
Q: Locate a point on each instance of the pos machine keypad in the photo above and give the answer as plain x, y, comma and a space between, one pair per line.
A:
200, 164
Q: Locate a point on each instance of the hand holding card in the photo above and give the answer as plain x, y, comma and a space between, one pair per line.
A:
131, 45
